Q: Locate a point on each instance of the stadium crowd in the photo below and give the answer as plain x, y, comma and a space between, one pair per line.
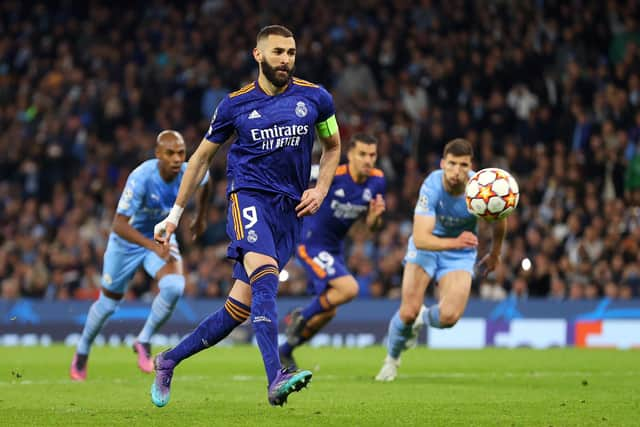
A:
547, 90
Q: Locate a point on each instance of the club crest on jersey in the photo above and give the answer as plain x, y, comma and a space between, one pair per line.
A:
366, 195
301, 109
252, 236
423, 202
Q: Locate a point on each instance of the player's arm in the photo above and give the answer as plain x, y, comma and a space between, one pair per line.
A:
124, 229
374, 219
490, 261
424, 239
197, 167
130, 202
499, 233
329, 136
329, 160
199, 223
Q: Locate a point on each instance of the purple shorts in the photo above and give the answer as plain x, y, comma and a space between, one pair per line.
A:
261, 222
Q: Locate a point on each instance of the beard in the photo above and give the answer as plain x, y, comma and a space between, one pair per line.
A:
271, 73
455, 186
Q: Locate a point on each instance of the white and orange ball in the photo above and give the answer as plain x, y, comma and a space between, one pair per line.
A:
492, 194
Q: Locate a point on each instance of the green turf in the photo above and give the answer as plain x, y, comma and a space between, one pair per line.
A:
227, 387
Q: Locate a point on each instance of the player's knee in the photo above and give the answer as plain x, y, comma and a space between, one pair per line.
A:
171, 286
107, 304
264, 281
409, 313
449, 316
351, 290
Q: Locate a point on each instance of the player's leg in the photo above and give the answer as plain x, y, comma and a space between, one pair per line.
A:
119, 265
285, 226
454, 283
316, 323
401, 327
263, 278
454, 288
332, 283
98, 314
311, 328
208, 333
219, 324
317, 284
171, 286
305, 323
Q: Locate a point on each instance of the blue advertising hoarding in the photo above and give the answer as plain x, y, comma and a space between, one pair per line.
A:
508, 323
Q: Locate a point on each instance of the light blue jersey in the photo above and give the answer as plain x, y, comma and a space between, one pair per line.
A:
452, 218
146, 200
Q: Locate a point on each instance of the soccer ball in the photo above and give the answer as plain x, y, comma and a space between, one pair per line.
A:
492, 194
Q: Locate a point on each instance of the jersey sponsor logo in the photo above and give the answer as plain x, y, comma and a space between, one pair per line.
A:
346, 210
279, 136
455, 222
339, 192
254, 115
301, 109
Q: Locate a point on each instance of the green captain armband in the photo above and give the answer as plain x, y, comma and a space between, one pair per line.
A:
328, 127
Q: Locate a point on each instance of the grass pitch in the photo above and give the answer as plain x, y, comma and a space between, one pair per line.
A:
227, 386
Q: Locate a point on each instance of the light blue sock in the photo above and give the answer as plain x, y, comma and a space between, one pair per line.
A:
432, 316
98, 314
397, 335
171, 289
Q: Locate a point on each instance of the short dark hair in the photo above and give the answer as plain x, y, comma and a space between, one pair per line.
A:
365, 138
276, 30
458, 147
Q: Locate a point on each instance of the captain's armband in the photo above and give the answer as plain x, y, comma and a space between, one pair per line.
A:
327, 127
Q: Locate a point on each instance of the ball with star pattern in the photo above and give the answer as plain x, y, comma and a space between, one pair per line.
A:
492, 194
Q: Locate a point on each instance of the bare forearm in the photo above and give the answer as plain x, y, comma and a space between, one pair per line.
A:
202, 202
196, 169
328, 164
123, 229
499, 233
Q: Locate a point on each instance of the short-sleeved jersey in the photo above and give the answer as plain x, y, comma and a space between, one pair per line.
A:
147, 198
346, 201
452, 217
274, 136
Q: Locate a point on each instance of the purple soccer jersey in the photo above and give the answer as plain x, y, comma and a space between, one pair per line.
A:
274, 136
